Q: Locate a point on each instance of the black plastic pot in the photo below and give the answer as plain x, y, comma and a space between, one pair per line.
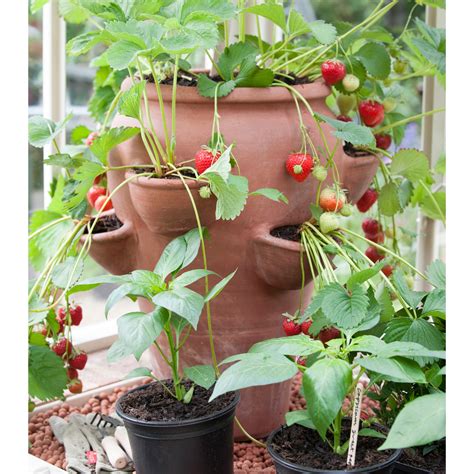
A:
200, 446
286, 467
401, 468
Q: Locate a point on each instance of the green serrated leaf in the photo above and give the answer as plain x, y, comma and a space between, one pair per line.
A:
324, 32
110, 139
376, 60
300, 345
42, 131
67, 273
411, 164
231, 195
130, 102
207, 87
389, 200
436, 273
272, 11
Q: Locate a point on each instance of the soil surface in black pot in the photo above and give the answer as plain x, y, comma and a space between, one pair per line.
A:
154, 403
185, 173
433, 461
351, 150
304, 447
106, 224
287, 232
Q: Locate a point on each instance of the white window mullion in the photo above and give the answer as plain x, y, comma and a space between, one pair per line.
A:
54, 79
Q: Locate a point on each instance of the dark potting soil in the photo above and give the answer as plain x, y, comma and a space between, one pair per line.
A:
154, 403
191, 81
106, 224
434, 461
287, 232
351, 150
185, 173
304, 447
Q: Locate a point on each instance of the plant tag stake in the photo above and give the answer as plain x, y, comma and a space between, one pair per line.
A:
351, 453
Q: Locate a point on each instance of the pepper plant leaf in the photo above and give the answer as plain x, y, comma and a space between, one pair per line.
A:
395, 369
202, 375
300, 345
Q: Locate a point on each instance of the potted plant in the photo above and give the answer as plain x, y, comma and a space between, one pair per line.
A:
171, 426
183, 148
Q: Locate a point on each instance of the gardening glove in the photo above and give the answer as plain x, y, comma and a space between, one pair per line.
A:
75, 445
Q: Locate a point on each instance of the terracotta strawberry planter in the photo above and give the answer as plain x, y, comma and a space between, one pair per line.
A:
115, 250
263, 123
165, 208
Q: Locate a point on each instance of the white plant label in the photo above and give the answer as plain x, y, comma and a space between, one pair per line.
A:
351, 453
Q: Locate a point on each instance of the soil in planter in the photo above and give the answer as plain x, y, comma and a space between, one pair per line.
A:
351, 150
287, 232
185, 173
106, 224
434, 461
154, 403
304, 447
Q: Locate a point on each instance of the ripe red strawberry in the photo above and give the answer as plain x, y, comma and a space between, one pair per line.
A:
383, 141
378, 238
72, 373
61, 315
99, 178
344, 118
367, 200
305, 326
79, 361
299, 166
373, 254
301, 361
387, 270
94, 193
62, 347
328, 334
291, 327
204, 159
371, 112
76, 315
330, 200
100, 201
90, 139
333, 71
371, 226
76, 387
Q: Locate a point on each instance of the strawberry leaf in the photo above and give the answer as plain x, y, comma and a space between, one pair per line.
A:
207, 87
375, 59
389, 199
411, 164
324, 32
272, 11
42, 131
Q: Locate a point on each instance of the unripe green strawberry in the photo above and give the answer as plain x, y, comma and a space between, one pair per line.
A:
410, 281
389, 104
346, 210
205, 192
351, 83
399, 66
346, 103
320, 173
328, 222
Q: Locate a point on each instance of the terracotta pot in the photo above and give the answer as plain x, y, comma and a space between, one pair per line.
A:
114, 250
263, 123
165, 207
278, 261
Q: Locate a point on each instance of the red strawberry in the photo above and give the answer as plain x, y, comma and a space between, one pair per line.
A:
45, 331
90, 139
61, 315
76, 315
333, 71
373, 254
371, 226
330, 200
378, 238
204, 159
299, 166
290, 327
387, 270
79, 361
328, 334
305, 326
100, 201
367, 200
371, 112
72, 373
344, 118
383, 141
301, 361
94, 193
98, 179
62, 347
76, 387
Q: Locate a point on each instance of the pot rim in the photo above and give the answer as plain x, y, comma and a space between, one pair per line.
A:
395, 455
263, 236
125, 231
173, 424
165, 184
314, 90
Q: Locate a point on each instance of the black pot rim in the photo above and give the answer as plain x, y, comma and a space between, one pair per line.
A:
396, 454
176, 423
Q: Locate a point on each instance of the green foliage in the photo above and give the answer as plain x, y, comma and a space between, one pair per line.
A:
411, 164
300, 345
389, 200
375, 59
42, 132
47, 377
271, 193
202, 375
